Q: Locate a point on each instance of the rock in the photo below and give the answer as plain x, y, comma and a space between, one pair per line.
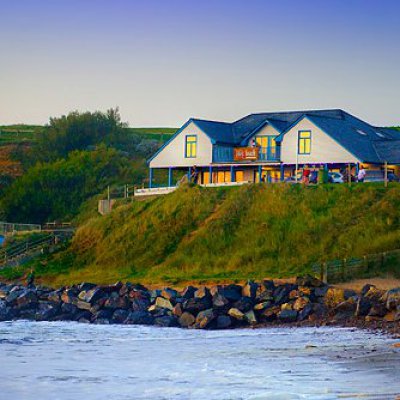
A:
139, 318
374, 294
333, 297
188, 292
202, 293
46, 311
119, 316
287, 306
251, 317
319, 310
263, 306
86, 286
345, 310
114, 302
5, 311
250, 289
287, 316
378, 310
177, 310
270, 314
94, 295
363, 307
82, 305
264, 296
154, 294
305, 291
69, 295
161, 302
186, 320
236, 314
294, 294
268, 285
305, 312
140, 304
366, 289
223, 322
205, 318
3, 293
13, 296
281, 293
27, 299
194, 305
300, 303
54, 296
101, 321
169, 294
392, 298
232, 292
166, 321
83, 316
219, 301
320, 291
390, 316
68, 308
103, 314
309, 280
244, 304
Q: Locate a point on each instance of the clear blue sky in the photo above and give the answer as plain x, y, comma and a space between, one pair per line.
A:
163, 61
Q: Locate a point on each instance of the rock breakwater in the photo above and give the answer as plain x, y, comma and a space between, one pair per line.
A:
307, 301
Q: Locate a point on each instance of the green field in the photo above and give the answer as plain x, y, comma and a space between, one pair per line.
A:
255, 231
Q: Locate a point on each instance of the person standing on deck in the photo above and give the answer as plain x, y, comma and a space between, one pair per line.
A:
306, 175
361, 174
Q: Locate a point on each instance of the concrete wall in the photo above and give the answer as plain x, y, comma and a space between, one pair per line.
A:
324, 149
173, 155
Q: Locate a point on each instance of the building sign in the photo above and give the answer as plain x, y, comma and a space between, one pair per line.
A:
245, 153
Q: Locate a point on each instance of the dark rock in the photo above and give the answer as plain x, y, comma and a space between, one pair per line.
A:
46, 311
169, 294
186, 320
120, 316
195, 305
223, 322
27, 299
6, 313
232, 292
104, 314
392, 298
115, 302
140, 304
281, 293
250, 289
244, 304
264, 296
287, 315
86, 286
83, 315
154, 294
366, 288
363, 307
202, 293
349, 293
178, 310
70, 295
309, 280
305, 312
166, 321
320, 310
68, 308
378, 310
54, 296
27, 313
205, 318
320, 291
93, 295
188, 292
13, 296
139, 317
219, 301
268, 285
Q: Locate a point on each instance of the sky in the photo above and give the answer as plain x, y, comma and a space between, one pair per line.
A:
164, 61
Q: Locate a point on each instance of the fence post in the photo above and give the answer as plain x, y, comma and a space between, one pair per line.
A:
325, 272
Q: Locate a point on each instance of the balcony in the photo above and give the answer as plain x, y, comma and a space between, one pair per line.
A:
227, 154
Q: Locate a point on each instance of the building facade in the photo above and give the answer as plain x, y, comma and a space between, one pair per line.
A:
272, 146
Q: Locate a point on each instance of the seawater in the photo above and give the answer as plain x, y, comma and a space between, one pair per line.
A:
66, 361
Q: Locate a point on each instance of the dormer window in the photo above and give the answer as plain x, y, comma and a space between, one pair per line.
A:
361, 132
381, 135
191, 146
304, 142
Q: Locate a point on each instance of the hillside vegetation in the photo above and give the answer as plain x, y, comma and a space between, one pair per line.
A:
238, 233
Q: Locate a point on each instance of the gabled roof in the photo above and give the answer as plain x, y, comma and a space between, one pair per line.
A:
388, 150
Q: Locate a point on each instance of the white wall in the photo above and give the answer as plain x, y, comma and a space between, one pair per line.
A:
173, 155
324, 149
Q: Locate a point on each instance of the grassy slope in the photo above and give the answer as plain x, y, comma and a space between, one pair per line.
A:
237, 233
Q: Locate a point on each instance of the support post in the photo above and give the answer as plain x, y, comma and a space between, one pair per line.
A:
259, 173
232, 173
349, 174
210, 170
386, 174
282, 168
150, 178
188, 174
169, 177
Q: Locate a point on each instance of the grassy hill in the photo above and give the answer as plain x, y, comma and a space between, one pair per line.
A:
198, 234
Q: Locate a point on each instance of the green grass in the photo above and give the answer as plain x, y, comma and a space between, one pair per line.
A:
255, 231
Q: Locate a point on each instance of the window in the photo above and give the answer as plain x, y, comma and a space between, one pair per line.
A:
380, 134
191, 146
362, 132
304, 142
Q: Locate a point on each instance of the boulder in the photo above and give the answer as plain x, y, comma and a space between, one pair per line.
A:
93, 295
54, 296
186, 320
219, 301
378, 310
287, 306
169, 294
268, 284
68, 308
250, 317
309, 280
27, 299
195, 305
232, 292
320, 291
264, 296
5, 311
288, 316
161, 302
177, 310
139, 318
46, 311
119, 316
86, 286
366, 288
114, 302
392, 298
333, 297
250, 289
364, 305
167, 321
345, 310
205, 318
281, 293
236, 314
263, 306
69, 295
300, 303
223, 322
140, 304
13, 296
188, 292
103, 314
244, 304
305, 312
202, 293
270, 314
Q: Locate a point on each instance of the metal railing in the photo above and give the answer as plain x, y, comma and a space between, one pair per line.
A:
8, 227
